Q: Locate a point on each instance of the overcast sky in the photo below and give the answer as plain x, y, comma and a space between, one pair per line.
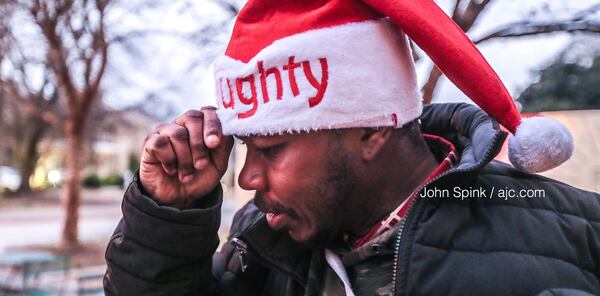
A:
168, 61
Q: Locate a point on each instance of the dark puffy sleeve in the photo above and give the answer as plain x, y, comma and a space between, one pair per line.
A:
159, 250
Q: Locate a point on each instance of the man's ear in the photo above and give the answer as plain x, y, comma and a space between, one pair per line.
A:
373, 140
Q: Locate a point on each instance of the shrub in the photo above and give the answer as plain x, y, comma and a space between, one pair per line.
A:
113, 179
92, 181
133, 162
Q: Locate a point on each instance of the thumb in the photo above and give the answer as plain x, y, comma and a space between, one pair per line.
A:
220, 154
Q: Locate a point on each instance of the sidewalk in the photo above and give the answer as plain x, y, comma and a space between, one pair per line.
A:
38, 221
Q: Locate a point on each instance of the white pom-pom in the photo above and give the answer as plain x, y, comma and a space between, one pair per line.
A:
540, 144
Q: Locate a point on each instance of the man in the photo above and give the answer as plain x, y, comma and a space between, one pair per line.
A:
343, 159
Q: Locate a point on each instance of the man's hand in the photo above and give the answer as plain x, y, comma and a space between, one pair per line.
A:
183, 161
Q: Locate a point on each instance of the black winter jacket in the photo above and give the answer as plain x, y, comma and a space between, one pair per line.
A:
543, 245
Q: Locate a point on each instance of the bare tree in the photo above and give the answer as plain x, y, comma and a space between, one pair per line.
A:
76, 45
467, 12
5, 44
77, 53
30, 115
27, 112
209, 38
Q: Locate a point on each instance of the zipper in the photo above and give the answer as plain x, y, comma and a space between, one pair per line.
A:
244, 251
242, 248
414, 201
397, 243
403, 223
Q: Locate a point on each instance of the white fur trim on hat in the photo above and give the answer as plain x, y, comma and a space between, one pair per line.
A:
354, 75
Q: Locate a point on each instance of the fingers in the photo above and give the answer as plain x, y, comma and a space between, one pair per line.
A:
179, 138
220, 155
191, 143
205, 133
158, 149
193, 121
212, 127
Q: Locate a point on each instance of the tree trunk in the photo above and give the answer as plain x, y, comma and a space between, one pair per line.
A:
71, 187
429, 87
26, 168
1, 94
28, 156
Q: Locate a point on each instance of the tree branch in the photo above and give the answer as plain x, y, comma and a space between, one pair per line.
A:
522, 29
228, 6
465, 21
100, 47
56, 52
577, 23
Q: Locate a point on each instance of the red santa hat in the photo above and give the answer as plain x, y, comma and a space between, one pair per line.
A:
294, 66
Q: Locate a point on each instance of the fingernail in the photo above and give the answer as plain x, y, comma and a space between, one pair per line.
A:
212, 141
200, 163
187, 178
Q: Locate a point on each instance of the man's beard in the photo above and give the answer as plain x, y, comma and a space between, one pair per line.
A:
329, 200
336, 187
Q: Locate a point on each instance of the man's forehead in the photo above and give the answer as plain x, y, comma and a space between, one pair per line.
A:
262, 138
278, 137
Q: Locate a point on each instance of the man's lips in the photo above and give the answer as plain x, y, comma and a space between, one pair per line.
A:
276, 220
268, 206
277, 215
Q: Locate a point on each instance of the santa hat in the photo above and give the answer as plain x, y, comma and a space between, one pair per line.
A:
296, 66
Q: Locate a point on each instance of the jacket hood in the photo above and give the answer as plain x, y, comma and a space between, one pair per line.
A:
476, 136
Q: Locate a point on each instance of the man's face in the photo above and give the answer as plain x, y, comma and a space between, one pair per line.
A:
302, 182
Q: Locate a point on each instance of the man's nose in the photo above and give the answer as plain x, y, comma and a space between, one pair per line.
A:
252, 177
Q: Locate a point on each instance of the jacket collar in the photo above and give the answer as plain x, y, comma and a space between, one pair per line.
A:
276, 249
